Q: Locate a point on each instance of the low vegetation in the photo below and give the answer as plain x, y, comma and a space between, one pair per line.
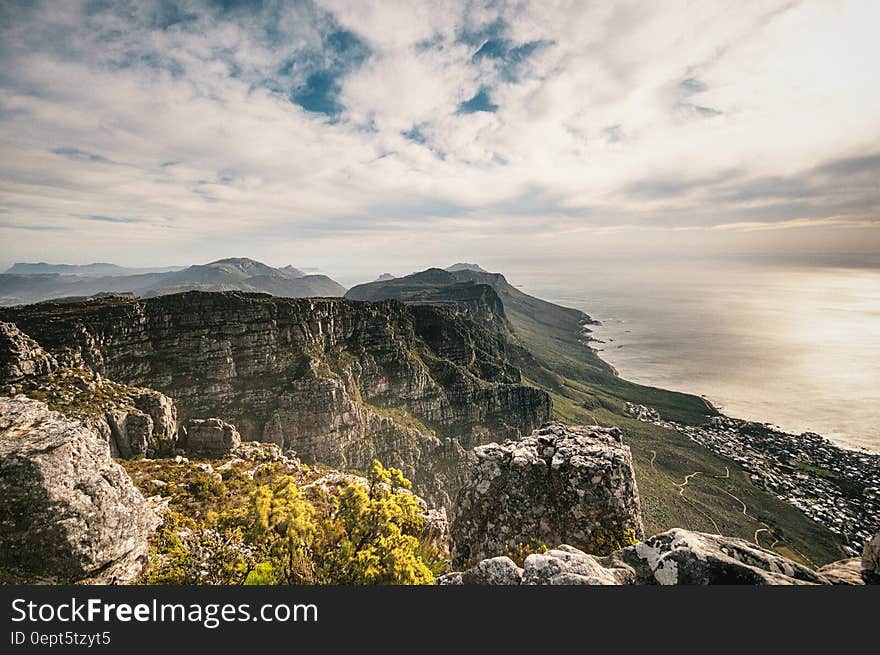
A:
270, 524
77, 393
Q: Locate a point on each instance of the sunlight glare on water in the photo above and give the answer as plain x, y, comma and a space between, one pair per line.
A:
798, 347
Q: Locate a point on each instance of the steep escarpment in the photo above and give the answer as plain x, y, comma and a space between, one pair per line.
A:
550, 345
339, 382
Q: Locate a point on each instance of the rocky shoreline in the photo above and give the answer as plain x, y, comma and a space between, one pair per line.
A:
834, 486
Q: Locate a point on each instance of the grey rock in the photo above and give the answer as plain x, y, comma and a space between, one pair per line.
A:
163, 412
493, 571
211, 437
21, 356
68, 512
676, 557
256, 451
143, 424
695, 558
566, 565
844, 572
871, 560
131, 432
450, 579
561, 484
436, 530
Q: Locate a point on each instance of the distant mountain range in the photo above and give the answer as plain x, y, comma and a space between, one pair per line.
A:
98, 269
25, 283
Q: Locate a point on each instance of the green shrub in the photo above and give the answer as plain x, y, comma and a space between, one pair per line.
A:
351, 534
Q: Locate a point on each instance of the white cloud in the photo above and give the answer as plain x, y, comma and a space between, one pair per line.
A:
192, 129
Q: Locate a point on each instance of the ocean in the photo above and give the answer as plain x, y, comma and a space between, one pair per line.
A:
798, 347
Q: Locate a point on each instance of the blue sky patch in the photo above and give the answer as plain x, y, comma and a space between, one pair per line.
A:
81, 155
507, 56
692, 85
477, 37
480, 102
344, 51
319, 94
415, 134
109, 219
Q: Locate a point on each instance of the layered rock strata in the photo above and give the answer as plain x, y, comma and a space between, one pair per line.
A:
340, 382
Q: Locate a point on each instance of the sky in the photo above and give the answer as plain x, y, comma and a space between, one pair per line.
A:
363, 136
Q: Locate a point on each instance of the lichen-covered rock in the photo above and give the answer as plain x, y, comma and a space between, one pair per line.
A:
211, 437
501, 571
436, 530
21, 356
561, 484
566, 565
871, 560
844, 572
68, 512
684, 557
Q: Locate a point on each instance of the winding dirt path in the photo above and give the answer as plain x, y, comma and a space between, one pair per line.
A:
682, 485
764, 527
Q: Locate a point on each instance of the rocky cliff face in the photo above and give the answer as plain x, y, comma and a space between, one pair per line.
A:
559, 485
21, 356
339, 382
134, 421
69, 512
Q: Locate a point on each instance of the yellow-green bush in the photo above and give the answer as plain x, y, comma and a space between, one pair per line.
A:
349, 534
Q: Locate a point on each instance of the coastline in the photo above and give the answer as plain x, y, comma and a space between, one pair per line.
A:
834, 486
841, 440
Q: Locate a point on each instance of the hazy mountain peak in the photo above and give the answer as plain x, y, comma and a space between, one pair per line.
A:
464, 266
95, 269
36, 282
385, 277
243, 264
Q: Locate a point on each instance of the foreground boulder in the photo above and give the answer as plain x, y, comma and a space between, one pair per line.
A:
844, 572
564, 565
676, 557
210, 437
68, 512
561, 484
21, 356
871, 560
685, 557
